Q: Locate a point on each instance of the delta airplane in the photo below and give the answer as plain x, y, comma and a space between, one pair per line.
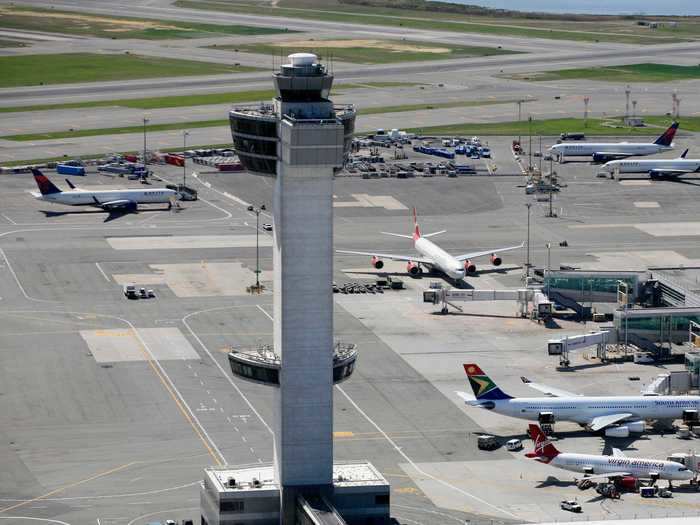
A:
605, 151
432, 256
113, 201
597, 466
655, 167
616, 415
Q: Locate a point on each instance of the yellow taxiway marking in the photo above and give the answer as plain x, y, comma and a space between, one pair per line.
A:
343, 434
66, 487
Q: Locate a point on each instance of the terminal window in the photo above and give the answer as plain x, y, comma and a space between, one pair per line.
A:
231, 506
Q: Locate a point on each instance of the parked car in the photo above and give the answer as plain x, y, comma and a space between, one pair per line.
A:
570, 505
514, 444
267, 227
487, 442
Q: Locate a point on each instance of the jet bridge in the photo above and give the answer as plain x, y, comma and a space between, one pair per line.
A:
563, 346
542, 306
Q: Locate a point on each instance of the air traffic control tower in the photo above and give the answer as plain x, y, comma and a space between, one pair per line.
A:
301, 139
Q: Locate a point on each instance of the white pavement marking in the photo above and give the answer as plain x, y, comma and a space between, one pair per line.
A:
19, 284
34, 519
403, 454
164, 511
10, 220
263, 311
416, 467
216, 363
103, 272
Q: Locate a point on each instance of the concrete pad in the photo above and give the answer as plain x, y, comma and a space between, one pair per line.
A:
364, 200
139, 279
187, 242
119, 345
635, 182
208, 279
646, 204
670, 229
637, 260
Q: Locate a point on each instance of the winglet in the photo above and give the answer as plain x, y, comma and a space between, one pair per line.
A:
684, 154
70, 184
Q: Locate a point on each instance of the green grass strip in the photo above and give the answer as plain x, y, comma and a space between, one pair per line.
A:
553, 127
33, 70
435, 105
628, 73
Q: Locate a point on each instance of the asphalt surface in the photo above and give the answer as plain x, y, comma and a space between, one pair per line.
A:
87, 437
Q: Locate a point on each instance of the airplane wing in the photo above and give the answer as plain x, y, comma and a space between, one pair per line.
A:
609, 475
473, 255
391, 256
611, 155
548, 390
617, 453
660, 172
600, 422
466, 396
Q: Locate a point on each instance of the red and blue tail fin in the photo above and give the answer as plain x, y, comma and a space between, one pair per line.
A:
666, 138
544, 450
482, 385
416, 228
46, 187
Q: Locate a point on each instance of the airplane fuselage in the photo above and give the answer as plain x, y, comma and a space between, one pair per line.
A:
443, 261
87, 198
638, 468
647, 165
582, 409
587, 149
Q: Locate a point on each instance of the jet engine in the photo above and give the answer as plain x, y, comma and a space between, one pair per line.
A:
469, 267
413, 269
377, 262
545, 418
622, 431
637, 426
496, 260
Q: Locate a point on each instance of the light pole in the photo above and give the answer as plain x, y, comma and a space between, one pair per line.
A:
145, 121
527, 263
549, 267
257, 249
529, 148
184, 157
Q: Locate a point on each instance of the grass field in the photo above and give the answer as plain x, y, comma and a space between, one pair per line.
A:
551, 127
32, 19
429, 106
611, 29
181, 101
630, 73
32, 70
370, 51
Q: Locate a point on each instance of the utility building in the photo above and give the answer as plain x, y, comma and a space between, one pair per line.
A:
301, 138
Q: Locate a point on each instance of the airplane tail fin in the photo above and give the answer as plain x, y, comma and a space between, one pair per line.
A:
482, 385
666, 138
544, 450
684, 154
416, 228
46, 187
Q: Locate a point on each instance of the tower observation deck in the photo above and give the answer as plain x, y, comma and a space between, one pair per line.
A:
302, 89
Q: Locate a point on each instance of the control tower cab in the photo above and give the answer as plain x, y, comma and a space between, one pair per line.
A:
302, 88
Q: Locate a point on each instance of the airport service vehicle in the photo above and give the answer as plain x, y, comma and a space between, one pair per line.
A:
655, 167
432, 256
572, 136
514, 445
130, 291
618, 416
594, 466
570, 505
125, 201
605, 151
486, 442
69, 169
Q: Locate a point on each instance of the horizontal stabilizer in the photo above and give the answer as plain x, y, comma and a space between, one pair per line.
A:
433, 234
397, 235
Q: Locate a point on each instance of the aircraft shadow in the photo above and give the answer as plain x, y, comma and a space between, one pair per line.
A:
111, 215
551, 481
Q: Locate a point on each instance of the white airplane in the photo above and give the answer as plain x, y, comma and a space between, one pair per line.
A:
432, 256
655, 167
616, 415
113, 201
617, 466
605, 151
